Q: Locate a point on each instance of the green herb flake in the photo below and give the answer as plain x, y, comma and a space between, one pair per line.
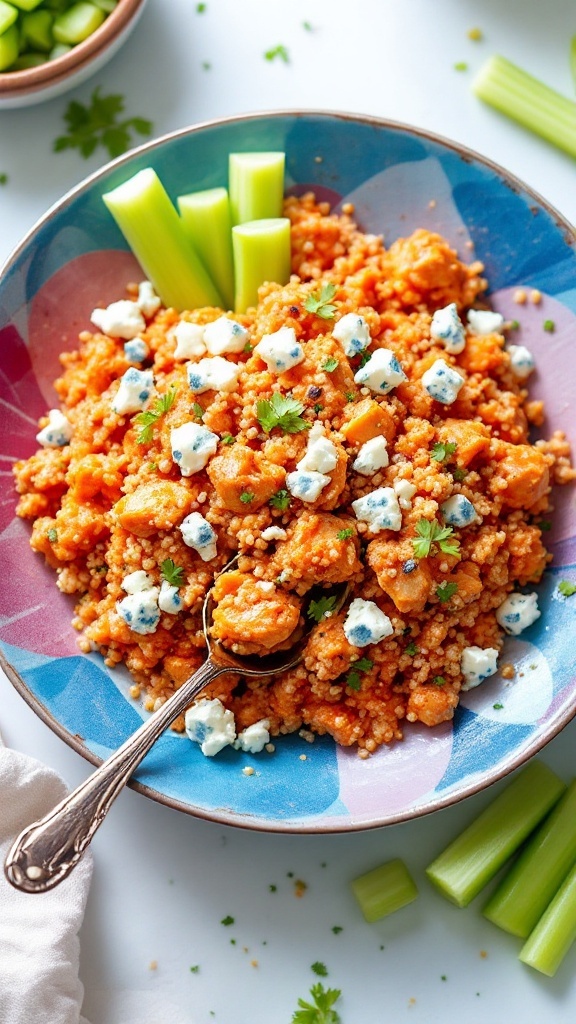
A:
365, 357
442, 451
200, 8
147, 419
445, 590
514, 325
461, 65
549, 326
545, 525
321, 304
307, 26
172, 573
206, 65
97, 125
439, 681
319, 968
280, 411
345, 534
566, 588
226, 921
197, 410
319, 609
363, 664
195, 969
280, 500
228, 439
431, 533
246, 497
273, 888
152, 466
248, 347
337, 929
411, 649
498, 707
459, 474
319, 1011
318, 408
52, 535
330, 365
354, 680
350, 396
3, 178
279, 52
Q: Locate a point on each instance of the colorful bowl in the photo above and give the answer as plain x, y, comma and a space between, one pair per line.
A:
398, 178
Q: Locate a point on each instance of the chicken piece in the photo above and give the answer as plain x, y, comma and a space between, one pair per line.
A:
423, 267
154, 505
471, 439
528, 556
252, 616
409, 584
96, 474
244, 479
467, 579
431, 704
524, 470
367, 419
314, 553
328, 653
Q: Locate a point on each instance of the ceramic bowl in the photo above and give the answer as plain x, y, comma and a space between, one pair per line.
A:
398, 178
34, 85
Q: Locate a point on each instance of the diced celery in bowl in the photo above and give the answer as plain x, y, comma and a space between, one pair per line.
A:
35, 31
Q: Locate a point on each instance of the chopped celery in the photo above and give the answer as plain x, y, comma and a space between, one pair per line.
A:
28, 60
555, 932
149, 222
526, 890
384, 890
573, 59
36, 28
474, 857
77, 23
528, 101
256, 182
26, 5
261, 253
8, 15
59, 50
8, 47
206, 220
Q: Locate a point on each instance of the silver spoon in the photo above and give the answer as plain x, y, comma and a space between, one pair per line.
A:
46, 852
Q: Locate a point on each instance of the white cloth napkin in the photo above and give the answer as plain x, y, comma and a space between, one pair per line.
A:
39, 946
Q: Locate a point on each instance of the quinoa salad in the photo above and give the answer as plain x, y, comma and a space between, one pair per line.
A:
366, 423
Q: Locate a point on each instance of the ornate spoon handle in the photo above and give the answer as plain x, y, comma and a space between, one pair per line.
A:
46, 851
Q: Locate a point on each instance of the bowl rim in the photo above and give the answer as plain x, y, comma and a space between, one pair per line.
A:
32, 80
220, 816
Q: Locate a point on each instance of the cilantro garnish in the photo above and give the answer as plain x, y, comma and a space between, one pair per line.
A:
549, 326
350, 396
3, 178
431, 533
147, 419
172, 573
439, 681
280, 500
52, 535
197, 410
445, 590
566, 588
320, 1010
318, 408
98, 125
278, 51
319, 968
345, 534
248, 347
228, 439
459, 474
545, 525
497, 707
195, 969
227, 920
318, 610
353, 679
321, 304
200, 8
411, 649
364, 358
246, 497
337, 929
330, 365
442, 450
282, 412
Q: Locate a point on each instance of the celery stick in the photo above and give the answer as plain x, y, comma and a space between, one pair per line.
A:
384, 890
528, 101
8, 15
149, 222
555, 931
256, 182
26, 5
573, 59
206, 220
474, 857
36, 28
77, 23
8, 47
261, 253
526, 890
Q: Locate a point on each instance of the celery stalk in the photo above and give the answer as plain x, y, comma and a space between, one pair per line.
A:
526, 890
261, 253
528, 101
206, 220
384, 890
555, 932
573, 59
474, 857
144, 213
9, 45
256, 183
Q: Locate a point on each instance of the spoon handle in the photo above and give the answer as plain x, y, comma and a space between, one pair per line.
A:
47, 851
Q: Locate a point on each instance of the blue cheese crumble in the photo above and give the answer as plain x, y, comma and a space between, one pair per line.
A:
372, 456
211, 725
404, 491
353, 333
122, 319
225, 335
485, 321
366, 623
169, 599
189, 340
448, 328
139, 610
380, 509
280, 350
522, 361
134, 391
306, 486
136, 351
273, 533
477, 664
148, 302
518, 612
381, 373
459, 511
57, 432
212, 374
442, 382
192, 445
321, 454
254, 737
199, 535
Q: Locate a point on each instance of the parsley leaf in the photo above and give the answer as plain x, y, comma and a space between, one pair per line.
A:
197, 410
280, 500
363, 664
353, 679
172, 573
439, 681
278, 51
227, 920
441, 451
321, 304
345, 534
445, 590
430, 533
330, 365
566, 588
282, 412
228, 439
97, 125
365, 357
459, 474
319, 968
318, 610
411, 649
246, 497
320, 1010
147, 419
52, 535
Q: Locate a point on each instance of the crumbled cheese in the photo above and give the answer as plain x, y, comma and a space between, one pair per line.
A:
140, 610
266, 586
306, 486
381, 373
211, 725
225, 335
442, 382
484, 321
404, 491
189, 340
136, 350
477, 664
122, 319
273, 533
199, 535
169, 600
366, 623
522, 361
254, 738
57, 432
380, 509
192, 445
459, 511
280, 350
212, 374
148, 302
371, 457
518, 612
134, 391
353, 333
136, 582
321, 455
448, 328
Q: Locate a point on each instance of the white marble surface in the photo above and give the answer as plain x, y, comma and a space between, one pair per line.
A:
163, 881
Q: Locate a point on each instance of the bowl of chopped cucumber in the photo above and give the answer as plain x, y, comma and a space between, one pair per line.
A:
335, 347
50, 46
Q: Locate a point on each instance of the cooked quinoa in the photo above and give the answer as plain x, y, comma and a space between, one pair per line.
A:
115, 499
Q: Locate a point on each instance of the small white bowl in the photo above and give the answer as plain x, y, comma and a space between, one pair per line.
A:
35, 85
